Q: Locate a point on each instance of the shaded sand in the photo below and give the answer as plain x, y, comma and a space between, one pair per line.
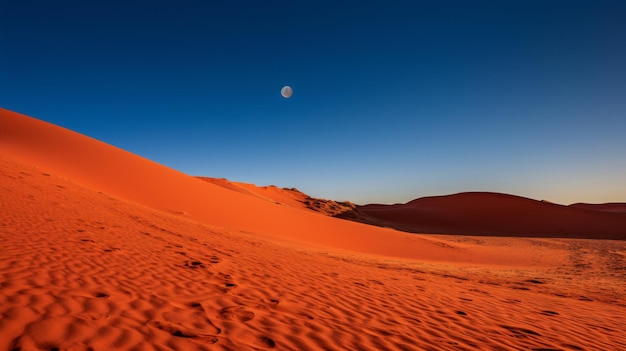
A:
81, 269
482, 213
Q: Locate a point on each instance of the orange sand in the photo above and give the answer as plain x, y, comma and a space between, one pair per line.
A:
104, 250
285, 196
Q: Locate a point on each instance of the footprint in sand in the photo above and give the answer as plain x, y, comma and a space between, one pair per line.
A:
520, 331
306, 315
549, 313
268, 341
236, 313
229, 282
534, 281
182, 332
194, 264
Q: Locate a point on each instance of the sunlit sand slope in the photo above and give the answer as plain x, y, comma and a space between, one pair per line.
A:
105, 168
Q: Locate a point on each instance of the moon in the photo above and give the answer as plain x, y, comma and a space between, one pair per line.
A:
286, 91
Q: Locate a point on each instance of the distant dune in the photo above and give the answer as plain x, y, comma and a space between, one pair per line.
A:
483, 213
103, 250
617, 207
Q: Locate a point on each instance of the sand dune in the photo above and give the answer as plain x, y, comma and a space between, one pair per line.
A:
617, 207
105, 168
90, 259
481, 213
285, 196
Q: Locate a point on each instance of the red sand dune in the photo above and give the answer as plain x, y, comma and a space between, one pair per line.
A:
617, 207
481, 213
103, 250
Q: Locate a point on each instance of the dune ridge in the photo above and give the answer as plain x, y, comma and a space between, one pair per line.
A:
286, 196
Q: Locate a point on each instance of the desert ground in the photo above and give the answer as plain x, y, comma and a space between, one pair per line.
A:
104, 250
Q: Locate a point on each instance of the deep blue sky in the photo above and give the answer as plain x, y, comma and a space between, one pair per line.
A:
392, 100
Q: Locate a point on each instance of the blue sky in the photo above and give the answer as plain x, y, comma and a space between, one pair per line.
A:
393, 100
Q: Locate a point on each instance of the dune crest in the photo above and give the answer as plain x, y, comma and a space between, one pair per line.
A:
286, 196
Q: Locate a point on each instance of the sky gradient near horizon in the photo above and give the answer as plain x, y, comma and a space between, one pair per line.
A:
393, 100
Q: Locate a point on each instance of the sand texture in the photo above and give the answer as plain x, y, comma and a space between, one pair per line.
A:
104, 250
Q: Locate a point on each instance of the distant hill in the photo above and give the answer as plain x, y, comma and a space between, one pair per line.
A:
616, 207
494, 214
